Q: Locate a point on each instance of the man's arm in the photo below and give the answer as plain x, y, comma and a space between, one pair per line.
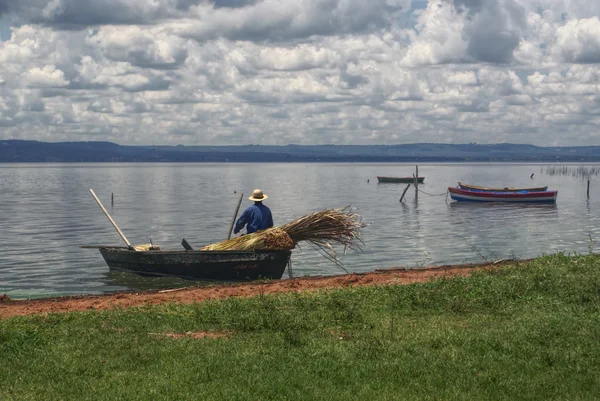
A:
241, 222
270, 220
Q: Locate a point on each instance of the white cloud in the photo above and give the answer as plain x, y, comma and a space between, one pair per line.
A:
280, 20
313, 71
495, 30
74, 14
301, 57
438, 38
463, 78
46, 77
140, 46
579, 41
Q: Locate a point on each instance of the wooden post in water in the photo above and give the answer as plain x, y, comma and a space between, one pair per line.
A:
417, 184
417, 178
403, 193
112, 199
588, 189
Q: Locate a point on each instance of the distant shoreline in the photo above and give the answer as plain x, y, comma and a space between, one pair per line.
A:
22, 151
410, 162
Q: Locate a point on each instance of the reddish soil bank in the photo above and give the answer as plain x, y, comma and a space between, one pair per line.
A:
398, 276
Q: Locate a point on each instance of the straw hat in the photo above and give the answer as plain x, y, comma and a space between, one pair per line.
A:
258, 195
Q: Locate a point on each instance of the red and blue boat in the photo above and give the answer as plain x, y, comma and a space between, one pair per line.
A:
506, 189
470, 195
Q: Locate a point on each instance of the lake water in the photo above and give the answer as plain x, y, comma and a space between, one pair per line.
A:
48, 212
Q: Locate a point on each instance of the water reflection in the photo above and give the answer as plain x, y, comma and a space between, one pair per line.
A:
502, 205
499, 230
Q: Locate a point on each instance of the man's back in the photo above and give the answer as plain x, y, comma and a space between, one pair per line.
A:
258, 217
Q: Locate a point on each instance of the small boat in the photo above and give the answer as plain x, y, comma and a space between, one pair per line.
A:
507, 189
150, 260
468, 195
199, 265
402, 180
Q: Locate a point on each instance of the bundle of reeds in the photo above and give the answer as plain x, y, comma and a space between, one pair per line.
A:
320, 229
146, 247
271, 238
339, 226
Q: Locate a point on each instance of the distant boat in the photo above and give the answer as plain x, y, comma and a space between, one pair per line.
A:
509, 189
405, 180
468, 195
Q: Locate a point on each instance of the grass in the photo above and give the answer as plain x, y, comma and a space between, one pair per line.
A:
524, 332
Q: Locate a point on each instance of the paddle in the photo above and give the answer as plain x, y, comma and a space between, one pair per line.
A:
186, 245
111, 220
235, 216
102, 247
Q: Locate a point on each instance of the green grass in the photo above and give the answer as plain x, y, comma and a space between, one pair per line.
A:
524, 332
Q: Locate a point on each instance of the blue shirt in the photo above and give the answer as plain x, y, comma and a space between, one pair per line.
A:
258, 217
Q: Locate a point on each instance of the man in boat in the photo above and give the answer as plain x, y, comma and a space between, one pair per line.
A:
256, 217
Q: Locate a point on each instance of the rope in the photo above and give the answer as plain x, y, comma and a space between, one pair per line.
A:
426, 193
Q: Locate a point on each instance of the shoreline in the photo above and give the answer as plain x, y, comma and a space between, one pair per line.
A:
129, 299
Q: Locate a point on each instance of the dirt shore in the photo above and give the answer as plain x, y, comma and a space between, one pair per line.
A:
397, 276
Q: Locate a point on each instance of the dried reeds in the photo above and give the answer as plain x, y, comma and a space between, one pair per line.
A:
146, 247
319, 229
339, 226
272, 238
581, 172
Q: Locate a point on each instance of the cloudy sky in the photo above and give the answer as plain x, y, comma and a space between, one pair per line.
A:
202, 72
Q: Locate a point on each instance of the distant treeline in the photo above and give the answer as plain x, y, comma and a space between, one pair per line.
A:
34, 151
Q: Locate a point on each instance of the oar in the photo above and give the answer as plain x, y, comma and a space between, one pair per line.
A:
102, 247
186, 245
237, 209
111, 220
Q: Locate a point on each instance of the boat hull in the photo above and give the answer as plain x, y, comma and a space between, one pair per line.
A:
508, 189
465, 195
200, 265
401, 180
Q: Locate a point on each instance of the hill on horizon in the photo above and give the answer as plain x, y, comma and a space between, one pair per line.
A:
14, 150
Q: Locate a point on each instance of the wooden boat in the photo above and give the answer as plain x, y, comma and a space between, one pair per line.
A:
468, 195
401, 180
199, 265
148, 260
509, 189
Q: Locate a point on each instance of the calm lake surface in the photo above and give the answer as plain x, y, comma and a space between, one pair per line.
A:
48, 213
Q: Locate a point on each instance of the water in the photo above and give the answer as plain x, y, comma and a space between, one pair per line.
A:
48, 212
